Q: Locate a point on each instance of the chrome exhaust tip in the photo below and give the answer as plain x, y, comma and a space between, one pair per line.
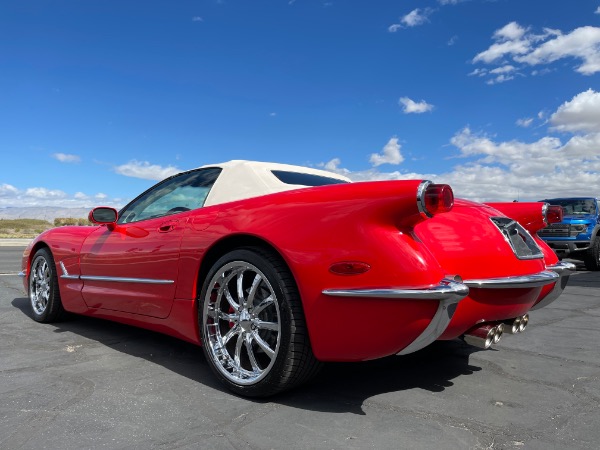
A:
516, 325
484, 336
512, 326
524, 322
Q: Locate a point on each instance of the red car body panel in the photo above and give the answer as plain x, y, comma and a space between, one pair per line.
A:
375, 223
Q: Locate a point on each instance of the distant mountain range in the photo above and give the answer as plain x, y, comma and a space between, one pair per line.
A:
48, 213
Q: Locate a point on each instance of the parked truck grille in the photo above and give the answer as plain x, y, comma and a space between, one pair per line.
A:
556, 230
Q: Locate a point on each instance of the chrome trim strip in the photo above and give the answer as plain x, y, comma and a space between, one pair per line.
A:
545, 212
564, 270
421, 198
436, 327
115, 279
22, 274
448, 292
125, 280
523, 281
66, 274
447, 289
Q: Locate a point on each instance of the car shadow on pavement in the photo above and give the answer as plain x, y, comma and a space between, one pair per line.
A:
344, 387
338, 388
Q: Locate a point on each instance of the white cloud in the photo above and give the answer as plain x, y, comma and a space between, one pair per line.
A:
145, 170
449, 2
525, 122
493, 170
389, 155
500, 79
66, 158
7, 190
43, 193
522, 46
478, 72
580, 114
414, 18
452, 40
510, 41
411, 106
504, 69
582, 43
197, 19
597, 10
10, 196
511, 31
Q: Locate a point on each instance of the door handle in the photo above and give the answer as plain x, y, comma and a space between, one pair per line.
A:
165, 227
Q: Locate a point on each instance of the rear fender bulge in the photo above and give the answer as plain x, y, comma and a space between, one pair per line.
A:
467, 243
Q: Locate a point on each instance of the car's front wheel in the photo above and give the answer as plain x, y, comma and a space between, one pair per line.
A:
44, 296
252, 324
592, 255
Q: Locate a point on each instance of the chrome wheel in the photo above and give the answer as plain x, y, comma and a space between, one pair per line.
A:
40, 280
44, 293
241, 323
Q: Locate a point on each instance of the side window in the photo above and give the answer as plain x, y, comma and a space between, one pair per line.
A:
179, 193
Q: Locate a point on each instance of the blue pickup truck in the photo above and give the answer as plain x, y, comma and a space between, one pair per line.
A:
577, 236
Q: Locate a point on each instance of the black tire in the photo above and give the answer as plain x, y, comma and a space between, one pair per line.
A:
44, 295
257, 345
592, 256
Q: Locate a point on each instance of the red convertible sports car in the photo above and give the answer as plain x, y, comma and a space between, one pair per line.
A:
275, 268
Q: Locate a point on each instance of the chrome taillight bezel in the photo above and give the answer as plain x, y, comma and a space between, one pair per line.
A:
422, 202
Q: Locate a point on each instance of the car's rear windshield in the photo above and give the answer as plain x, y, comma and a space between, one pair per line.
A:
305, 179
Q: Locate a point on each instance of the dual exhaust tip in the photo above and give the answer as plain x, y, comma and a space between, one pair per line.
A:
485, 335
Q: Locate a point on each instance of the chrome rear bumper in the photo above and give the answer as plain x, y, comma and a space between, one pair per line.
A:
525, 281
448, 292
564, 271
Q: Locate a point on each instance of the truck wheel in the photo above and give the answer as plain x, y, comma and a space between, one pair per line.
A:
592, 256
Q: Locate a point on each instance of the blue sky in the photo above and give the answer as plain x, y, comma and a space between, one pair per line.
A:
99, 99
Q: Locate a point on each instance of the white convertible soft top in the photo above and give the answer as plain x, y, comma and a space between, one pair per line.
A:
245, 179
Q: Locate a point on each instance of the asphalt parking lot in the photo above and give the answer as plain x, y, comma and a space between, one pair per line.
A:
88, 383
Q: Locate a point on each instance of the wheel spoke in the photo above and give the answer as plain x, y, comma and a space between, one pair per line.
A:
224, 286
263, 345
238, 350
263, 304
227, 337
253, 289
250, 351
272, 326
240, 288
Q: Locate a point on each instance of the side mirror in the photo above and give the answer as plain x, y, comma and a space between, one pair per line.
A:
104, 215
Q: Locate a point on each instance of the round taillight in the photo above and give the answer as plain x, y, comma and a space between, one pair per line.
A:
435, 198
554, 214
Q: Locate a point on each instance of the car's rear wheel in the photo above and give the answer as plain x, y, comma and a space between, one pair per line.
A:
592, 256
252, 324
44, 296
